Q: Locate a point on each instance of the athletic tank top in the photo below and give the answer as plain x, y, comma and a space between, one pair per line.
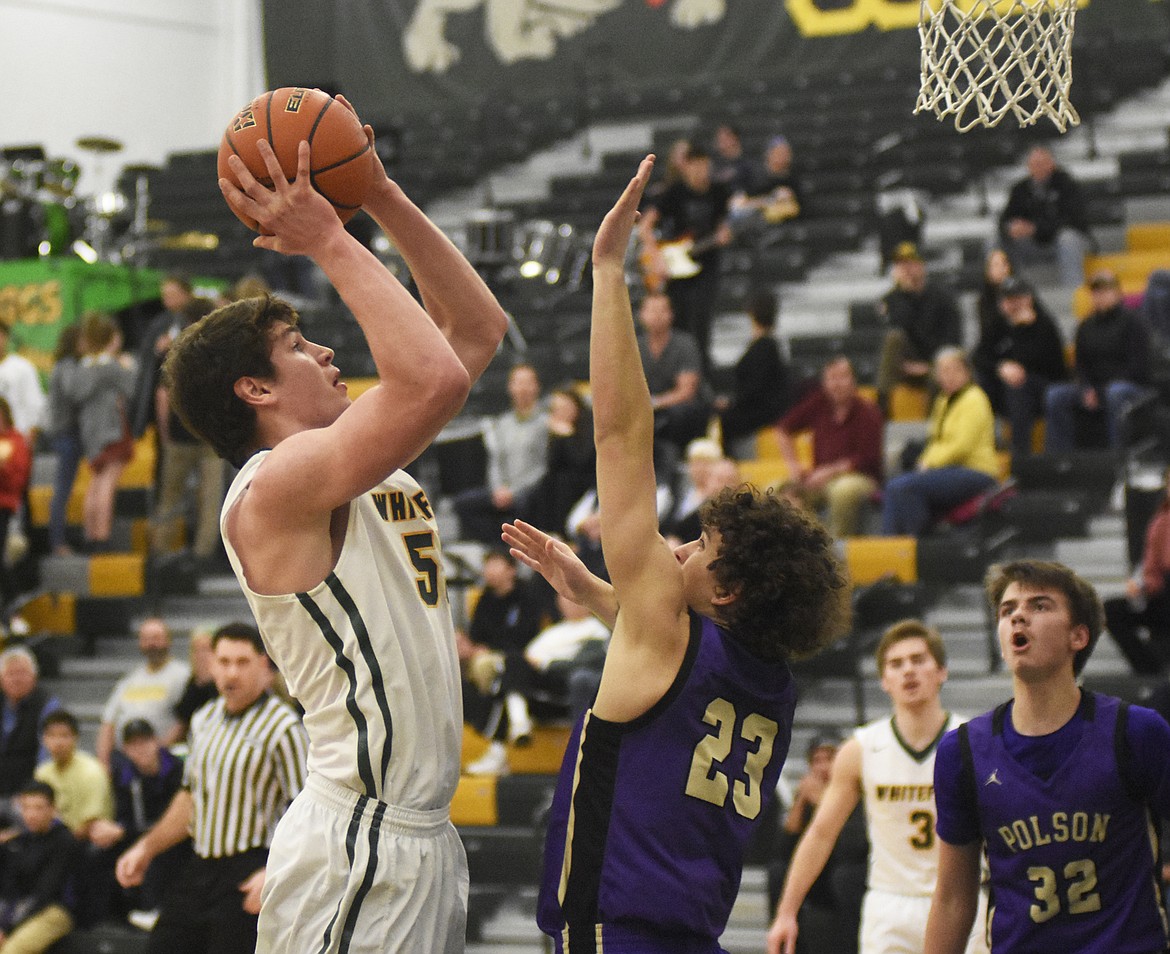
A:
369, 653
1072, 859
898, 792
651, 817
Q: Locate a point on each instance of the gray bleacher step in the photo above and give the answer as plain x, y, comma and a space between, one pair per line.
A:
1094, 557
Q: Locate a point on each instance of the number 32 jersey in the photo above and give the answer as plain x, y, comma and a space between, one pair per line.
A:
369, 652
897, 785
651, 818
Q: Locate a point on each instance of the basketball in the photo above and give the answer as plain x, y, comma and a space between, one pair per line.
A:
342, 160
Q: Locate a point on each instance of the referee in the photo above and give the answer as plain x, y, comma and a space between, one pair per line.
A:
247, 763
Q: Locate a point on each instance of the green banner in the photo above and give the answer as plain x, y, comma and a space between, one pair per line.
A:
39, 297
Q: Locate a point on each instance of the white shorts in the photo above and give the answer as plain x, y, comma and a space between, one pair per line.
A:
348, 874
896, 924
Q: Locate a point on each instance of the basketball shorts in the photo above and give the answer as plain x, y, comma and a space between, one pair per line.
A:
348, 874
896, 924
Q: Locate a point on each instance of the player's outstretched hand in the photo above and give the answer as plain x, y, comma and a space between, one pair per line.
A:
551, 558
613, 237
295, 218
782, 936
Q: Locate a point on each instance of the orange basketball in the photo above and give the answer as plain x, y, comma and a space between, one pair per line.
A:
342, 160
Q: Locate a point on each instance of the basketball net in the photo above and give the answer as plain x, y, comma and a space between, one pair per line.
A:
983, 60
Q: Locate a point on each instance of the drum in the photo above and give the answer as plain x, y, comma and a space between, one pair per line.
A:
20, 228
489, 237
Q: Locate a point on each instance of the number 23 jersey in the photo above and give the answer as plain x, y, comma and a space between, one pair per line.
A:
651, 817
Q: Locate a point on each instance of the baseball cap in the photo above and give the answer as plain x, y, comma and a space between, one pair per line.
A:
1103, 279
907, 252
1012, 286
137, 729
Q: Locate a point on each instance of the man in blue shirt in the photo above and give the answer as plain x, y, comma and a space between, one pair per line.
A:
1059, 786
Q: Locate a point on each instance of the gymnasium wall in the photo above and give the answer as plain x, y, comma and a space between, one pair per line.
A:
393, 57
158, 75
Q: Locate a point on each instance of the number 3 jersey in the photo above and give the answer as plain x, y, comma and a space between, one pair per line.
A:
651, 818
369, 653
1072, 857
897, 785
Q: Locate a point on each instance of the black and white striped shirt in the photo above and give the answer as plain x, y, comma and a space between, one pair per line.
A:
242, 772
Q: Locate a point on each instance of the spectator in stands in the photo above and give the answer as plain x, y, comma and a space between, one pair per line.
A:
887, 764
690, 489
101, 388
997, 267
64, 433
922, 317
1045, 219
672, 168
145, 777
847, 447
776, 193
200, 688
21, 386
1139, 621
1111, 367
22, 714
1018, 358
684, 524
959, 460
35, 870
672, 362
82, 787
691, 219
176, 293
517, 457
566, 657
149, 691
508, 615
760, 393
15, 468
186, 460
571, 458
730, 166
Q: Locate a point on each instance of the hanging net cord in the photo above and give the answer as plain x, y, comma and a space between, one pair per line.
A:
985, 59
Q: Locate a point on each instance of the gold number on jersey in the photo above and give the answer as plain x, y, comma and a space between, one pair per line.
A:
421, 547
711, 784
1081, 891
923, 838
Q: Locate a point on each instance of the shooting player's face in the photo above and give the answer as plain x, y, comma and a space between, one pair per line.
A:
307, 384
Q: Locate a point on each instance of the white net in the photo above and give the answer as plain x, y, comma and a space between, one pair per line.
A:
983, 60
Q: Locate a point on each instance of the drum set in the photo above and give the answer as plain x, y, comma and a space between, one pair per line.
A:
43, 213
531, 250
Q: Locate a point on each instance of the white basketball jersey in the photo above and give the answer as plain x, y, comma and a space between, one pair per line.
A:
369, 653
898, 789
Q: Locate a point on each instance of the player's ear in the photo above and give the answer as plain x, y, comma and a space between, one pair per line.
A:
251, 390
723, 596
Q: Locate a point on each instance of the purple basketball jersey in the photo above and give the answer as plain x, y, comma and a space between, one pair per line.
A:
651, 818
1073, 865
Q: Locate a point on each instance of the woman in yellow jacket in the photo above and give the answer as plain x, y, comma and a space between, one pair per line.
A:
959, 460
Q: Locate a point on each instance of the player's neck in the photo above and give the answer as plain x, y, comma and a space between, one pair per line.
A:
919, 724
1040, 708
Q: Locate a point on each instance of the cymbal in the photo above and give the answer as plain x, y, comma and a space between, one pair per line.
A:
99, 144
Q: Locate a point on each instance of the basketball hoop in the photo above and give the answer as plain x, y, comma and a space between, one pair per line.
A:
983, 60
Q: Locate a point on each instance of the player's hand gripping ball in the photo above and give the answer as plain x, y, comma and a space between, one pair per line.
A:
341, 155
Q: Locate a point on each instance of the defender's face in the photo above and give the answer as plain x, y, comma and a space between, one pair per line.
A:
910, 673
306, 381
696, 558
1036, 633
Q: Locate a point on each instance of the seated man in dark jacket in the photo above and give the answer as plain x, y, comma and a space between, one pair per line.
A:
1111, 369
1019, 355
35, 869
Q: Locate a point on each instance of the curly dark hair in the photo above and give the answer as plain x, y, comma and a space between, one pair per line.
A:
793, 592
209, 357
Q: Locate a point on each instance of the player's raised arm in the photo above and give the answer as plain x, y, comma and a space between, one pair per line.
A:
455, 296
623, 426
